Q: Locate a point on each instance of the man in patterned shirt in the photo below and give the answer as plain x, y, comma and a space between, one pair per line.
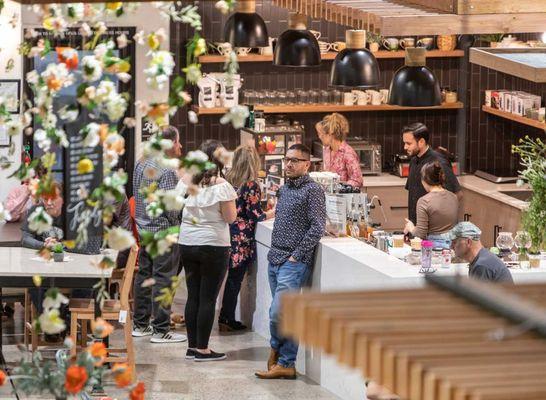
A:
161, 268
300, 219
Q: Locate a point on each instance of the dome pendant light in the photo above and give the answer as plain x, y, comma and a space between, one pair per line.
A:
297, 47
414, 85
355, 66
245, 28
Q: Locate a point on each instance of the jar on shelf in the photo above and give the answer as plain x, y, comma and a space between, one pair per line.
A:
302, 97
324, 97
291, 97
336, 97
314, 97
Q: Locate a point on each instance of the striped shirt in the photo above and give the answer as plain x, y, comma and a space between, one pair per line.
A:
143, 177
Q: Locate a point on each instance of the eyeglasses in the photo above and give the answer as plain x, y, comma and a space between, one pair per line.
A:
294, 160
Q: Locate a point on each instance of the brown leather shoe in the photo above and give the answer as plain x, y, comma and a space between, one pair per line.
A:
277, 372
273, 358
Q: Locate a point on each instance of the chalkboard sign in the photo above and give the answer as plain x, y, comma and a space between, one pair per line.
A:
73, 205
147, 129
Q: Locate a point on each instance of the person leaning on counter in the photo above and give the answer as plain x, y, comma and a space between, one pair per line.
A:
416, 138
337, 155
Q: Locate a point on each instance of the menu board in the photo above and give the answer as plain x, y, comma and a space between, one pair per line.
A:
74, 207
147, 129
336, 212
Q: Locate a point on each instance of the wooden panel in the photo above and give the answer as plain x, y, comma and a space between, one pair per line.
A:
499, 6
526, 69
442, 5
514, 117
395, 205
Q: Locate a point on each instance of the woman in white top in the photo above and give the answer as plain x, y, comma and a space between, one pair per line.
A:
204, 251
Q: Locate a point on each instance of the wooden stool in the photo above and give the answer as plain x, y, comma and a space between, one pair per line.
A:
84, 310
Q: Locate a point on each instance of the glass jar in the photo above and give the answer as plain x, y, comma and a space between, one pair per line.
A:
534, 260
291, 97
336, 97
314, 97
324, 97
302, 97
414, 258
281, 98
260, 98
505, 242
426, 257
436, 260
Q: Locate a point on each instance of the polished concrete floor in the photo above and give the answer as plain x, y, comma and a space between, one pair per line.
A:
168, 376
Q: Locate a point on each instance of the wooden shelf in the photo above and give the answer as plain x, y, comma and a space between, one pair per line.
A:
326, 108
514, 117
216, 58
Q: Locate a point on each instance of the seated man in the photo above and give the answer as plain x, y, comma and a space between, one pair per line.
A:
484, 265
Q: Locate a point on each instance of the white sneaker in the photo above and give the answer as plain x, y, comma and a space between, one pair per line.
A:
141, 332
168, 337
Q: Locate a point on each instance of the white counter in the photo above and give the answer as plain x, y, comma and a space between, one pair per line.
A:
341, 264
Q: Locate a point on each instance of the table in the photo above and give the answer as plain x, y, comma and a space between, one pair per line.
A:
17, 268
10, 234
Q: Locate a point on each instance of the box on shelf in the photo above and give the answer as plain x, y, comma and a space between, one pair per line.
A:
515, 102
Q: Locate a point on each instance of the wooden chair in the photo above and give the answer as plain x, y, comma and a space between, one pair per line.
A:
83, 310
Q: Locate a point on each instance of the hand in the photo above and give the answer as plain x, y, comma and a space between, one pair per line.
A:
410, 227
292, 259
270, 214
50, 242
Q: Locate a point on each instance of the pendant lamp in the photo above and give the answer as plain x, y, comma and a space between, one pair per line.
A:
415, 85
245, 28
297, 47
355, 66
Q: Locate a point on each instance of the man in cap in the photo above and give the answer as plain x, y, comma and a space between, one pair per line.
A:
484, 265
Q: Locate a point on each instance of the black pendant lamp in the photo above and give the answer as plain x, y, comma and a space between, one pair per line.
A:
355, 66
414, 85
297, 47
245, 28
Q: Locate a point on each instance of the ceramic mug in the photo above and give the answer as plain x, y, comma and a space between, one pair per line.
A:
426, 42
375, 97
324, 47
243, 51
446, 42
316, 34
223, 48
407, 42
451, 97
384, 96
374, 47
338, 46
391, 44
349, 98
361, 97
268, 50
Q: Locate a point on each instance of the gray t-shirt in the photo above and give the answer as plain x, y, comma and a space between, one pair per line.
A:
488, 267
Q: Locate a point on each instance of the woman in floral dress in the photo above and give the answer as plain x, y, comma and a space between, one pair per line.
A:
243, 177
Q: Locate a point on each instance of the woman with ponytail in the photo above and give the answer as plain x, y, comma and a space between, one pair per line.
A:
437, 210
337, 155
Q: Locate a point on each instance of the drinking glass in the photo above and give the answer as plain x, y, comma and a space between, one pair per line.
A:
260, 98
302, 96
313, 97
281, 97
324, 97
291, 97
336, 97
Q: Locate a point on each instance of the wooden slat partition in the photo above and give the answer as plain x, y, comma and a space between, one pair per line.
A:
427, 344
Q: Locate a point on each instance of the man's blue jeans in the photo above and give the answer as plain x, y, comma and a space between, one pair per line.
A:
290, 276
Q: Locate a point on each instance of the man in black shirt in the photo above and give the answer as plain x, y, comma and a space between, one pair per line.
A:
416, 137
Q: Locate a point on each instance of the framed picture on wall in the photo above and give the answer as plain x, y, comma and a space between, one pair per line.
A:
5, 139
10, 91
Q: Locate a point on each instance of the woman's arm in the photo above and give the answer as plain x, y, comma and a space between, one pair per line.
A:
422, 227
228, 211
354, 173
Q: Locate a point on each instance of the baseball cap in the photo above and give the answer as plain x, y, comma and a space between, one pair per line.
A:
465, 229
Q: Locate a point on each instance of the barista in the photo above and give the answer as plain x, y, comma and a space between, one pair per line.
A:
337, 155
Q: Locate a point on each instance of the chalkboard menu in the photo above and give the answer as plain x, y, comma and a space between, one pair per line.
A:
74, 207
147, 129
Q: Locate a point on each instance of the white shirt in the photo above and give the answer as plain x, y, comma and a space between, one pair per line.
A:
202, 221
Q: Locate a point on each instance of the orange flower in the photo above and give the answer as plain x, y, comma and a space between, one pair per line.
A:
53, 83
101, 328
138, 392
98, 350
123, 374
158, 111
72, 61
3, 378
76, 377
103, 132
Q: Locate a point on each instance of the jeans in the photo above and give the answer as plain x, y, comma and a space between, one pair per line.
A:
290, 276
161, 269
231, 291
205, 268
442, 240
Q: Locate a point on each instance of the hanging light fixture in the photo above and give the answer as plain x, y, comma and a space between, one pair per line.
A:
414, 85
297, 47
355, 66
245, 28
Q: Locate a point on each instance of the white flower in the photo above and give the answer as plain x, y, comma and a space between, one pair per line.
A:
100, 27
31, 33
102, 48
90, 92
142, 106
76, 11
54, 302
160, 68
139, 37
166, 144
164, 245
520, 183
161, 35
32, 77
169, 163
115, 108
124, 76
122, 41
120, 239
154, 210
193, 73
192, 117
14, 127
44, 142
61, 137
68, 114
39, 221
91, 69
51, 322
222, 6
237, 115
85, 30
91, 134
173, 200
129, 122
110, 158
4, 214
197, 156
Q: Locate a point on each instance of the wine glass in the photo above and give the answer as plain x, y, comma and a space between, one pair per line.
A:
505, 242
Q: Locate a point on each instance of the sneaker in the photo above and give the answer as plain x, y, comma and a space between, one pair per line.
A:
168, 337
190, 354
141, 332
212, 356
225, 325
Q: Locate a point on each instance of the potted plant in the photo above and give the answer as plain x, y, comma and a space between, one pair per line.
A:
58, 252
374, 40
493, 39
533, 159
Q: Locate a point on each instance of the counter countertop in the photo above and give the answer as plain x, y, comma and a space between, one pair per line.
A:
384, 179
10, 234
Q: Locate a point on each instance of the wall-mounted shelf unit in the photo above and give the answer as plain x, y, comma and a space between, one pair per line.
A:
525, 63
514, 117
327, 108
216, 58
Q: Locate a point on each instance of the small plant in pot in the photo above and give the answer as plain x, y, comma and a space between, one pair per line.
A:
374, 41
493, 39
58, 252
